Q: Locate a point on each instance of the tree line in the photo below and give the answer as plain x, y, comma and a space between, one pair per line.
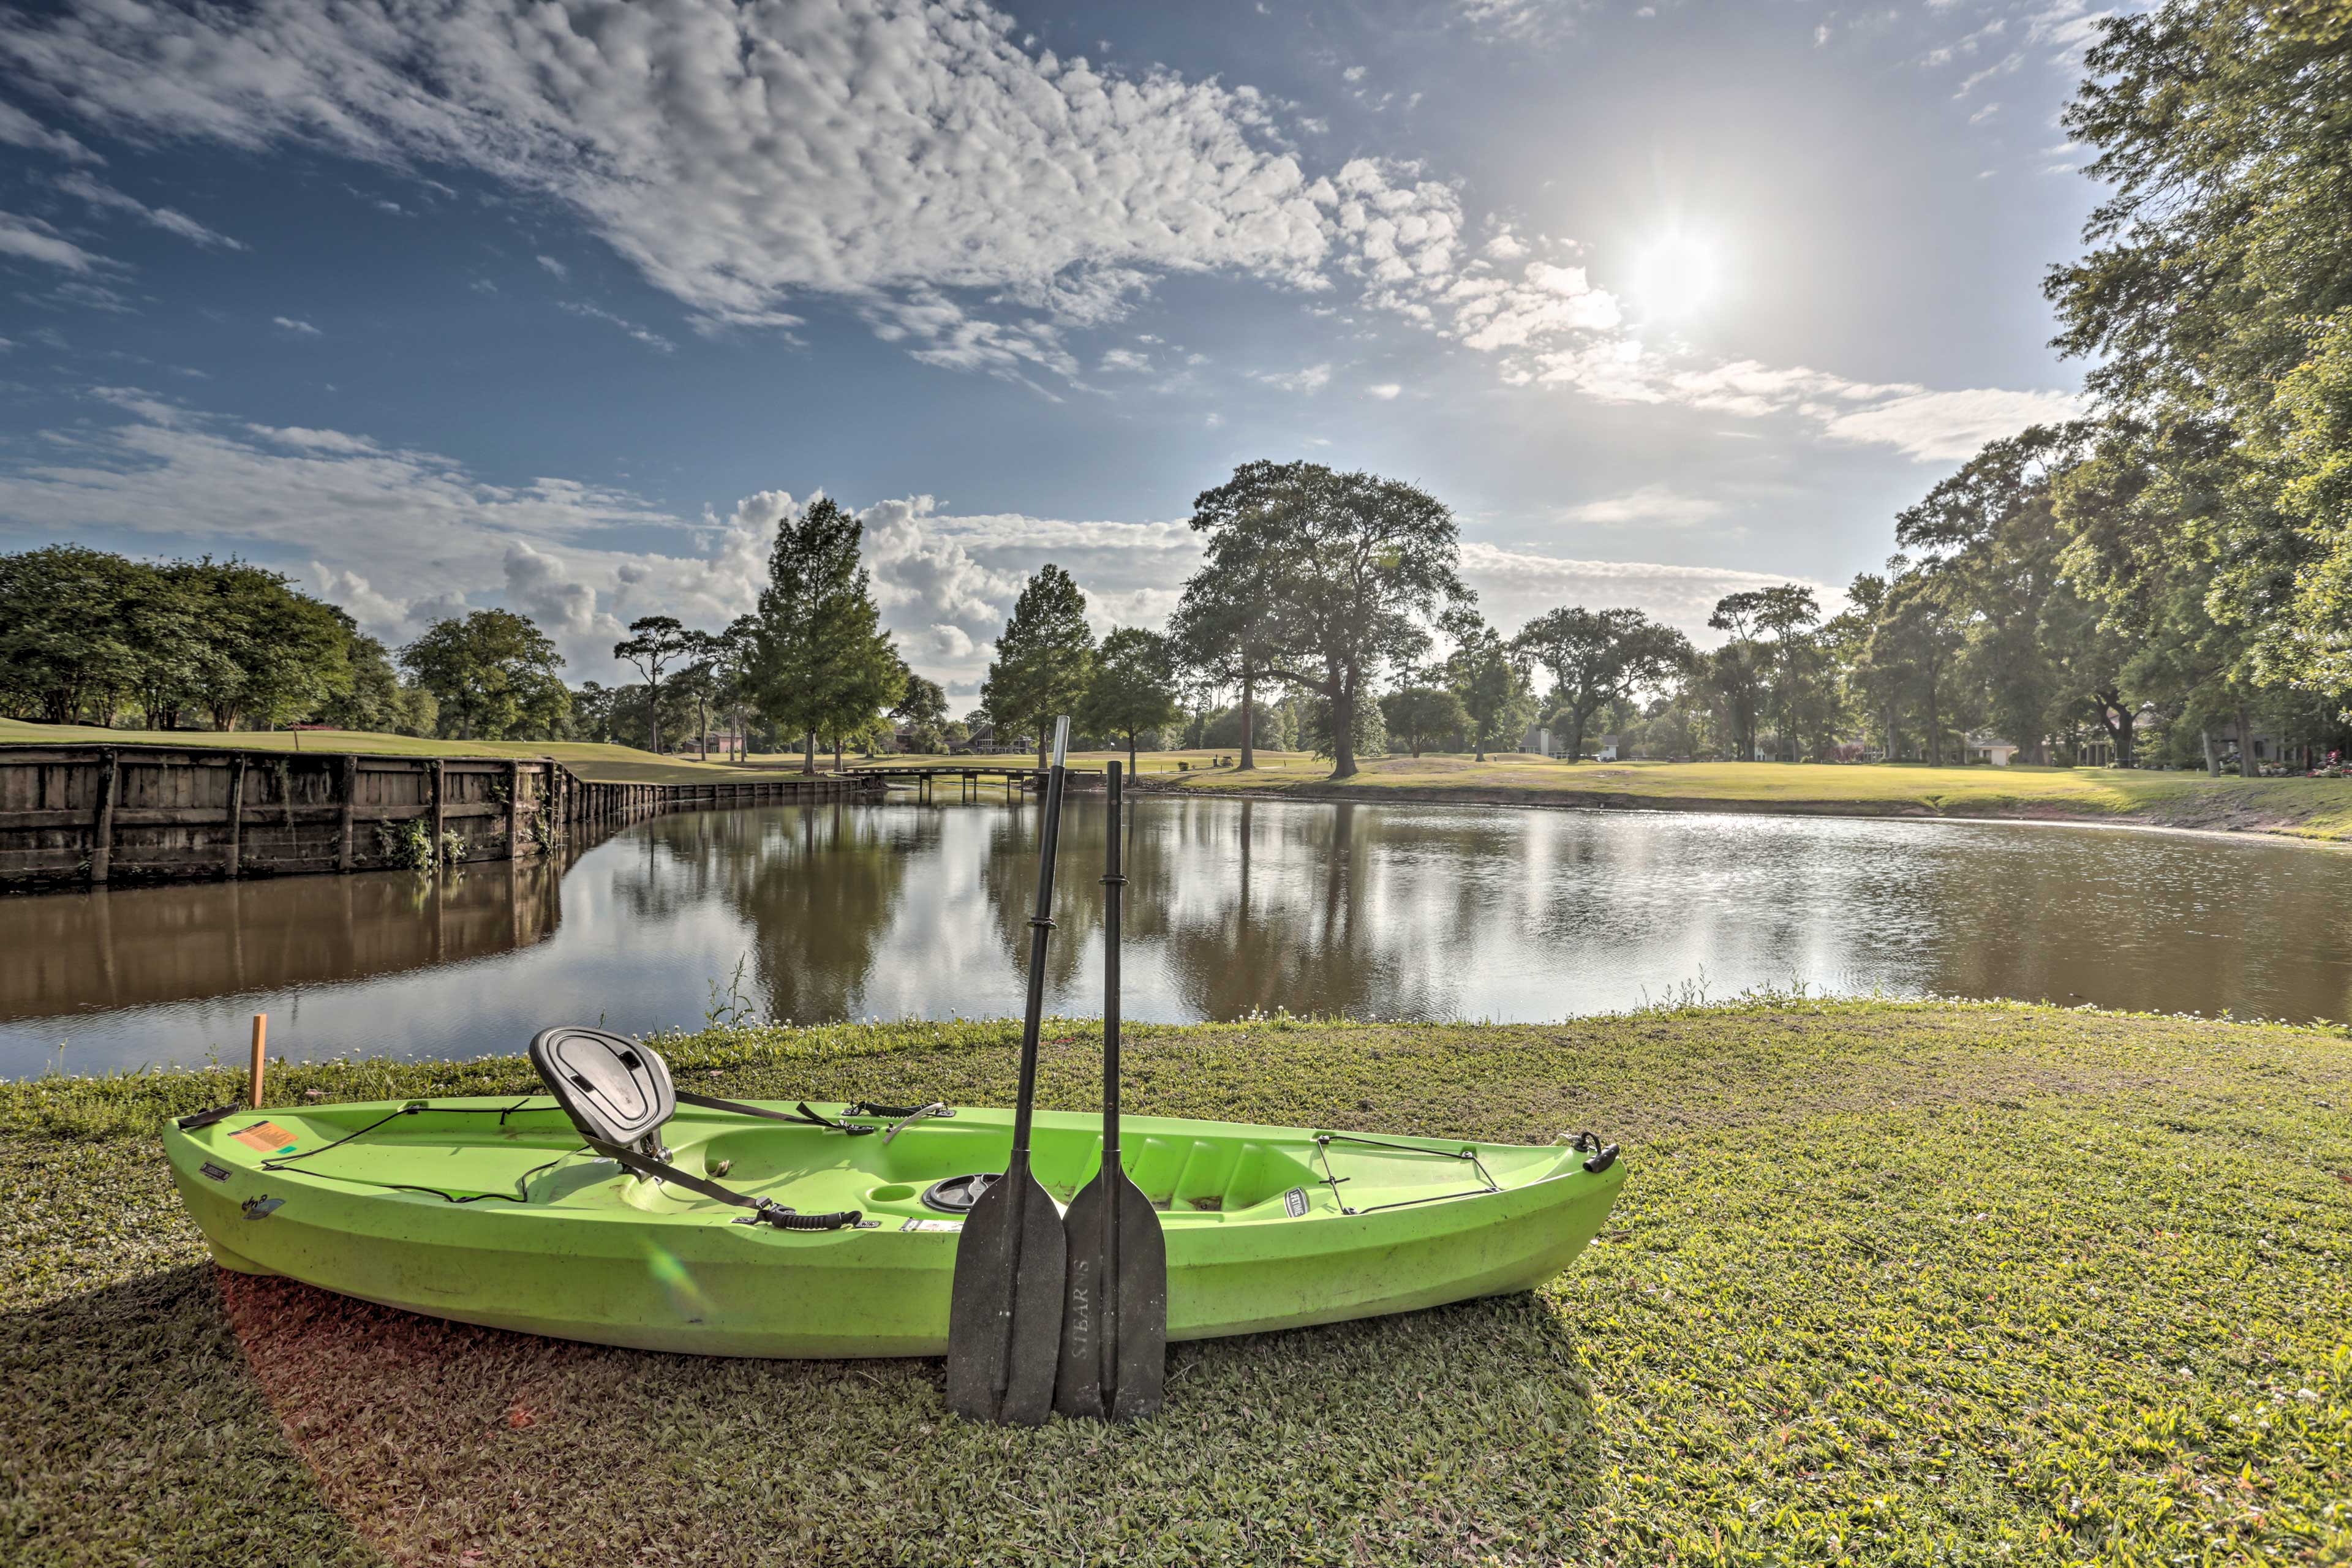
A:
2166, 577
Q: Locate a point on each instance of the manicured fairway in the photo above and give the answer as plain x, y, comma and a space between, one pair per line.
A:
595, 760
1889, 1283
2312, 808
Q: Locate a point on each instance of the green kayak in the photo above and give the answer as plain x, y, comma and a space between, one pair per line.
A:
495, 1212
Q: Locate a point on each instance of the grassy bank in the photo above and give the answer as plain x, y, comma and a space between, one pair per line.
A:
597, 762
1889, 1283
2311, 808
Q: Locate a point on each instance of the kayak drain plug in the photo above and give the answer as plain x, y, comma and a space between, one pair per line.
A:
957, 1193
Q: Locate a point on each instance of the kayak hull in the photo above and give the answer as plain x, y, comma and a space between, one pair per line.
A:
479, 1212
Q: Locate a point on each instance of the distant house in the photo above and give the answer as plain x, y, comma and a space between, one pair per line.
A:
1985, 748
721, 742
1608, 749
1538, 740
984, 741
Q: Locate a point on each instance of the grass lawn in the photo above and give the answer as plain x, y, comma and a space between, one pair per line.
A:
2312, 808
594, 760
1889, 1283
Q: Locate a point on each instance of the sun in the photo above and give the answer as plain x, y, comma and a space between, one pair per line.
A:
1677, 273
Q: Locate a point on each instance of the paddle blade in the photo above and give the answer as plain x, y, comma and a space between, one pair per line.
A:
1004, 1316
1114, 1317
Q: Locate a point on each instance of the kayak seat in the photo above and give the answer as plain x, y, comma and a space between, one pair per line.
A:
614, 1090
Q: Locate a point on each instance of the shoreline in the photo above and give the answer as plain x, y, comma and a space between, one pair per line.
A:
1630, 801
1954, 1269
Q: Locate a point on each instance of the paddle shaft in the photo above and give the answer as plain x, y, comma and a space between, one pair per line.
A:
1041, 926
1113, 891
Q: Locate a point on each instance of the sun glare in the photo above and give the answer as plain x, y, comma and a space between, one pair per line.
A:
1677, 274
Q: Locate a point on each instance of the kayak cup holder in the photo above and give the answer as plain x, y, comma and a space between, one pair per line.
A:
898, 1193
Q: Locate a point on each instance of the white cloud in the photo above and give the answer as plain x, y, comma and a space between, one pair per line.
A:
1653, 504
1520, 21
34, 240
2000, 67
561, 271
21, 130
1514, 585
1385, 390
1925, 425
168, 219
300, 329
1313, 378
740, 156
1125, 359
744, 158
645, 335
541, 586
1932, 426
400, 536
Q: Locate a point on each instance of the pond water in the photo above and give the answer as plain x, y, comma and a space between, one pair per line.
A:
904, 907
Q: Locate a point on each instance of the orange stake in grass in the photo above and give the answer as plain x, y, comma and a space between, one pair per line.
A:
260, 1043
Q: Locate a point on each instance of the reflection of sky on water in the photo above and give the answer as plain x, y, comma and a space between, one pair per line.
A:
1393, 911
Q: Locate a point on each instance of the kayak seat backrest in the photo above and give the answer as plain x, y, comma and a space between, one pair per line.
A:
614, 1090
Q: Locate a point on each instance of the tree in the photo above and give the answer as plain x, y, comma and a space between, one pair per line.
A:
377, 698
1992, 530
1483, 672
1221, 629
1044, 659
924, 710
279, 653
1419, 715
697, 683
68, 633
1916, 641
821, 662
731, 653
1598, 657
2217, 292
1319, 736
494, 669
1134, 687
1349, 566
654, 642
870, 685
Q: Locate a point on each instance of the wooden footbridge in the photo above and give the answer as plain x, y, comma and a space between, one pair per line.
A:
970, 776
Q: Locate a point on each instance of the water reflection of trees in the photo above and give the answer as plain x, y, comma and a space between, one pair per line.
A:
128, 947
817, 887
1331, 910
1008, 876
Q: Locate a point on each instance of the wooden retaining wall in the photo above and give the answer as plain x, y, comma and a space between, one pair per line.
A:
106, 815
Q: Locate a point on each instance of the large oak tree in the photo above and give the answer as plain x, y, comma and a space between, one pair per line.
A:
1351, 566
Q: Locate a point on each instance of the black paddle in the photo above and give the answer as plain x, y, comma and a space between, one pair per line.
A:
1115, 1326
1004, 1314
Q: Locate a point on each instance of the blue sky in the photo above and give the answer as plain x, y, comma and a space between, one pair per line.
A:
453, 304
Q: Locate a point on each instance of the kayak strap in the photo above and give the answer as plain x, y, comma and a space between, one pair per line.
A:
896, 1112
1469, 1152
908, 1119
800, 1113
764, 1211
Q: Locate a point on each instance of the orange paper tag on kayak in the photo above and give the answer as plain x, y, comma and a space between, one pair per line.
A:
266, 1136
